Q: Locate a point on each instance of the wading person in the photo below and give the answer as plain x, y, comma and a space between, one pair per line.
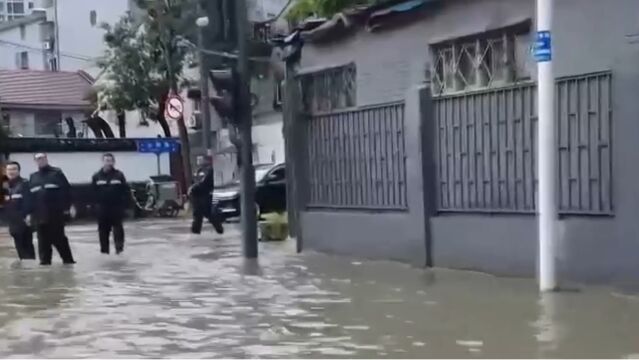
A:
111, 199
16, 197
49, 203
202, 198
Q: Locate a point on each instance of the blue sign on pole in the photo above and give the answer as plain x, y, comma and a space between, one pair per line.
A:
158, 146
543, 46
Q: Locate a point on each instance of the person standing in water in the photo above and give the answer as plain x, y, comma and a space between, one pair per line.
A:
112, 198
49, 203
16, 207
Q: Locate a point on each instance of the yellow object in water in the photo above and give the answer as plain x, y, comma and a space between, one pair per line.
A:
274, 227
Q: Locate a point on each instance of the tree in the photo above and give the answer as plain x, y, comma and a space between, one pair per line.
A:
322, 8
131, 81
144, 60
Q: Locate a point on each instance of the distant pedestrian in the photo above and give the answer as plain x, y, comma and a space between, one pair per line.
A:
202, 198
49, 204
112, 197
17, 212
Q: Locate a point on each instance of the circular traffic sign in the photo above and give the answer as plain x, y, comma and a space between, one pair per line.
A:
174, 108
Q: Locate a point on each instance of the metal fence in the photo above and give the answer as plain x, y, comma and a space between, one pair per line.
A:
357, 159
486, 147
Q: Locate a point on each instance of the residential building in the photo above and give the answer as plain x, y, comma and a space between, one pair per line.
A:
15, 9
418, 135
58, 35
38, 103
268, 140
22, 45
65, 35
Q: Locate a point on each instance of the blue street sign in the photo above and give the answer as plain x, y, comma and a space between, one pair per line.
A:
543, 46
158, 146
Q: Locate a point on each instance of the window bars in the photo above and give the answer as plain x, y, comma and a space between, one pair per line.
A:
330, 89
357, 159
486, 148
482, 61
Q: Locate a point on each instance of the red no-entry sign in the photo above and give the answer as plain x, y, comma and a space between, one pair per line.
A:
174, 108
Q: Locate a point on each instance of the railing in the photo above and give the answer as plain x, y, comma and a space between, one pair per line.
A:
357, 159
486, 148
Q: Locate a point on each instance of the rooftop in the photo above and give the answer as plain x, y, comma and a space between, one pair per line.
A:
371, 17
46, 90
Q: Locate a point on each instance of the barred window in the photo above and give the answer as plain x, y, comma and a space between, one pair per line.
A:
480, 61
357, 158
330, 89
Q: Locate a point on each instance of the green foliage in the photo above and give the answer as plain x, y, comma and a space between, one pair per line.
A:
321, 8
274, 227
145, 57
130, 71
144, 62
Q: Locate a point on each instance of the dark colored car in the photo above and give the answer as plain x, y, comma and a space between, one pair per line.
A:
270, 193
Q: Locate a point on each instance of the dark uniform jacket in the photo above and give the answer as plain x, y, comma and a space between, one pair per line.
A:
204, 181
16, 202
50, 196
111, 192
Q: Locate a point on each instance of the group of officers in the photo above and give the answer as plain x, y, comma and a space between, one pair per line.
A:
42, 204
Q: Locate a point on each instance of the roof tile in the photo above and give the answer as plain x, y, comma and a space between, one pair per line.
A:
26, 88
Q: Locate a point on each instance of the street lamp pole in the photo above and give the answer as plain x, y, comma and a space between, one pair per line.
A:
546, 148
244, 119
205, 108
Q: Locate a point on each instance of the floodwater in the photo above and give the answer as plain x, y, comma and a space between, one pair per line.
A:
176, 295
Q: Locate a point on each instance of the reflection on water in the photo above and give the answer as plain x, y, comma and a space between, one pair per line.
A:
174, 295
548, 326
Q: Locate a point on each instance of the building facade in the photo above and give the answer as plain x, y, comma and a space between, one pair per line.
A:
420, 120
15, 9
57, 35
45, 104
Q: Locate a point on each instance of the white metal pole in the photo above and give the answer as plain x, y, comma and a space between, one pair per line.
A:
546, 148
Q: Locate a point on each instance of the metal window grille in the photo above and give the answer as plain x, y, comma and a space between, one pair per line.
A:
479, 62
330, 89
486, 148
357, 159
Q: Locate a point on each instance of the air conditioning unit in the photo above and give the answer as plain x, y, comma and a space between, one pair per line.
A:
195, 120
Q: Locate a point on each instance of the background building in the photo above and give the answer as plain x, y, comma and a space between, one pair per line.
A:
56, 35
15, 9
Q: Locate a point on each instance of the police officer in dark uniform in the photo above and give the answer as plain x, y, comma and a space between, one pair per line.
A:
202, 199
112, 198
16, 197
49, 203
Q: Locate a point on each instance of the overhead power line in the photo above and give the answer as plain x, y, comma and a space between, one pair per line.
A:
64, 54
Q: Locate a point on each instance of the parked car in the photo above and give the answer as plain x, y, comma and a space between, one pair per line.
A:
270, 193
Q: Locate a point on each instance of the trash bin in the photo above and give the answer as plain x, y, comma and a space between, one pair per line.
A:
165, 198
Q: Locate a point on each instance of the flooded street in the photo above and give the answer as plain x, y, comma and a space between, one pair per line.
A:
172, 294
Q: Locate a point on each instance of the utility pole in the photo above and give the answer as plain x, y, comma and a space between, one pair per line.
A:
205, 107
58, 60
244, 120
546, 148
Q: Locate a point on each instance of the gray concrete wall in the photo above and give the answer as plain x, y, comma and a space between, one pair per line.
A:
397, 235
592, 35
589, 36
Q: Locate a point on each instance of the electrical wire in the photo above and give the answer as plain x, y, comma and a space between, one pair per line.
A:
222, 54
67, 55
